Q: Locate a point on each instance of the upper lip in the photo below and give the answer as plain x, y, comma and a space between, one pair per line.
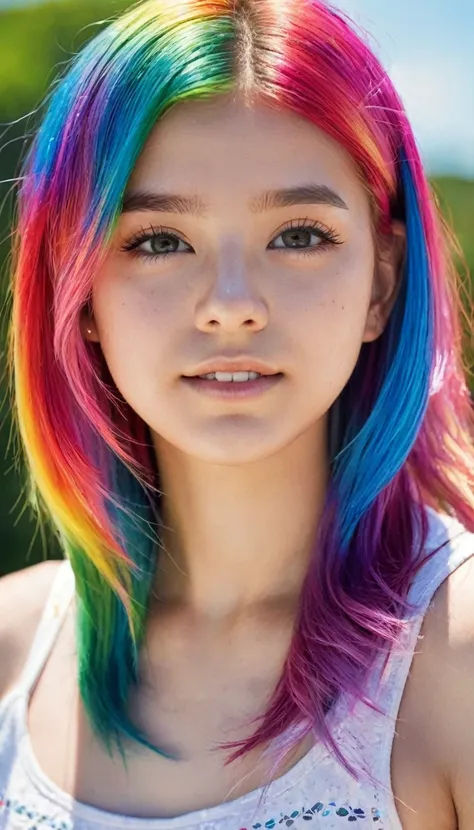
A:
233, 364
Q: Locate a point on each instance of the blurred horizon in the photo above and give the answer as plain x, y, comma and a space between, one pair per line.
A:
428, 55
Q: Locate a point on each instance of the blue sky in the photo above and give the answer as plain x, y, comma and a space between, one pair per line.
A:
427, 46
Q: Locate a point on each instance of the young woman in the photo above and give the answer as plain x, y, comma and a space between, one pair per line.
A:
236, 347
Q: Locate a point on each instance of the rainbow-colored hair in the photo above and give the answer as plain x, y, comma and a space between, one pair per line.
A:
400, 432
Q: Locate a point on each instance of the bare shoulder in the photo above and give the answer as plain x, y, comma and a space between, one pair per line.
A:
451, 666
437, 711
22, 598
449, 655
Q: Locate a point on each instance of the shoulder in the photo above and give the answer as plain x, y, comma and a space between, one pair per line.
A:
22, 598
442, 686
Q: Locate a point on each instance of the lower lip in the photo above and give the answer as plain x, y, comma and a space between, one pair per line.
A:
233, 389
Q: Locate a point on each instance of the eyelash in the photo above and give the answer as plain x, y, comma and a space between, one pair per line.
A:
328, 237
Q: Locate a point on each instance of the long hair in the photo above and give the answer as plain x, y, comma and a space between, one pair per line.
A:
400, 433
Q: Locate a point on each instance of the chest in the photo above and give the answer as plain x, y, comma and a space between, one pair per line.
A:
190, 702
199, 694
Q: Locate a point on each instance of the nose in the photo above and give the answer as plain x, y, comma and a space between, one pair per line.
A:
232, 301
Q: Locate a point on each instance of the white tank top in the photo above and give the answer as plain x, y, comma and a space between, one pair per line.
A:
316, 792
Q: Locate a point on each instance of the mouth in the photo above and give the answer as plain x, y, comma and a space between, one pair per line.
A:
241, 376
233, 385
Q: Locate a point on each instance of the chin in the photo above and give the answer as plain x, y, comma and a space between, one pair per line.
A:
233, 442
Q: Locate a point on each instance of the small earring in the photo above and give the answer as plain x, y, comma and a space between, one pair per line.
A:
89, 331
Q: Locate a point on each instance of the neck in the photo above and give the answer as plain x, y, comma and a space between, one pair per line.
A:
239, 536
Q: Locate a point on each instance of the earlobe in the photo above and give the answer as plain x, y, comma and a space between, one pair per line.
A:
88, 328
388, 275
374, 326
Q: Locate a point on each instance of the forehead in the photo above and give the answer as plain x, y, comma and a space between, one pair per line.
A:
227, 145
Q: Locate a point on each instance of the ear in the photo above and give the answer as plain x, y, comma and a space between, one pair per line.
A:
390, 250
88, 325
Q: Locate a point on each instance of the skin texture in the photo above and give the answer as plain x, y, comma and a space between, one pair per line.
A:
244, 481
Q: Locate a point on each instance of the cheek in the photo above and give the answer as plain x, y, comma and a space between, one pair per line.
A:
328, 315
332, 302
138, 323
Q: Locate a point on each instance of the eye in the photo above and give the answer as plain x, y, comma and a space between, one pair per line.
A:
305, 236
300, 236
161, 241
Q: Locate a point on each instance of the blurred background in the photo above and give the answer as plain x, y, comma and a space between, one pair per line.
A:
426, 48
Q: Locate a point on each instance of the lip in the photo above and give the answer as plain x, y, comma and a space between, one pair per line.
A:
230, 363
233, 390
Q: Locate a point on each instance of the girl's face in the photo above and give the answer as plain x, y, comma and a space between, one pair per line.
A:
260, 248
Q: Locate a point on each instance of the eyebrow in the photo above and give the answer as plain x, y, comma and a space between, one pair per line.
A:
307, 194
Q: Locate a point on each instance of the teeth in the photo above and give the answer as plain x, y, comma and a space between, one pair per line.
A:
226, 377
